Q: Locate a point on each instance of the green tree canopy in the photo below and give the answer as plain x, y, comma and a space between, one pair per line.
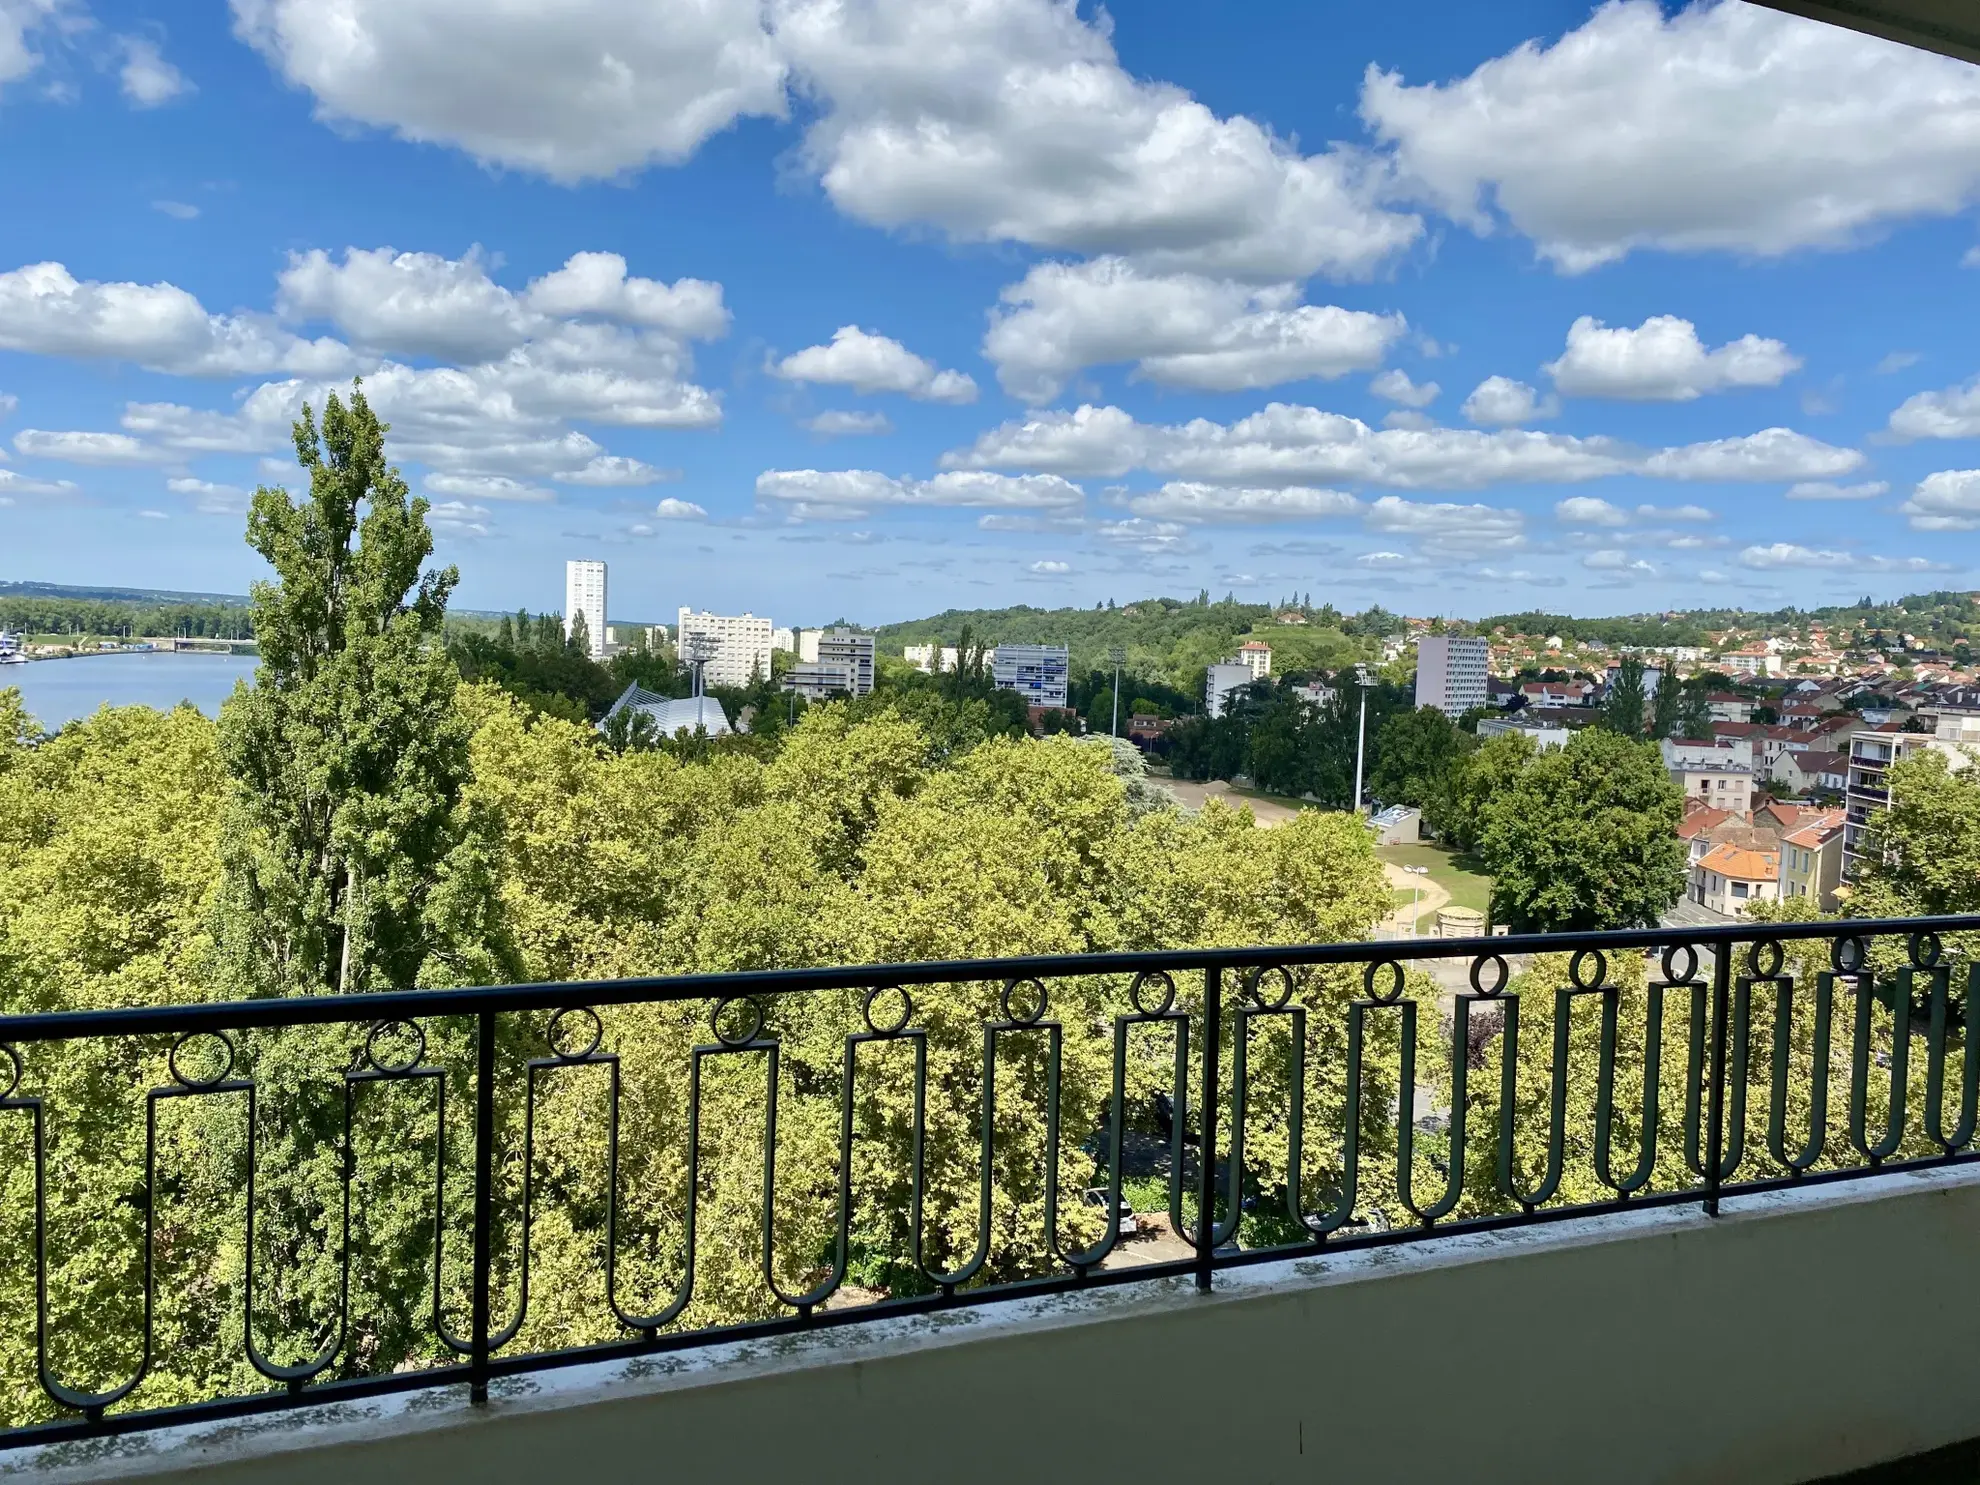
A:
1416, 759
1584, 837
343, 849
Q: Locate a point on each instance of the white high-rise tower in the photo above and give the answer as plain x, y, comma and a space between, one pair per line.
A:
584, 593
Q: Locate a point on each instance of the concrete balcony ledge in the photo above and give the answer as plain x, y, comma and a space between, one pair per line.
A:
1801, 1334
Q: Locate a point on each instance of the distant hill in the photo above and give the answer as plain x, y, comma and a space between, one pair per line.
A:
119, 595
1171, 639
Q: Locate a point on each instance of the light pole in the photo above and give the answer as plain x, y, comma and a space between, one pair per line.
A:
1360, 733
1117, 655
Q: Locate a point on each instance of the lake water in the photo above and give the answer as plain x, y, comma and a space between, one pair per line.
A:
60, 691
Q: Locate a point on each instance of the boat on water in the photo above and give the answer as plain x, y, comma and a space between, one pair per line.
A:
10, 649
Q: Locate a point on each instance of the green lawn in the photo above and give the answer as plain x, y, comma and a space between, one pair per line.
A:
1457, 874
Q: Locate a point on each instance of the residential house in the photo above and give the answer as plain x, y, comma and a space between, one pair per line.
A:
1726, 707
1811, 772
1812, 860
1729, 878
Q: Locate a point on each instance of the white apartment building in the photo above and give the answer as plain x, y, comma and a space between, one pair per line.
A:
927, 659
1038, 673
1451, 672
1956, 733
738, 645
1256, 658
584, 593
784, 639
843, 666
807, 645
1220, 681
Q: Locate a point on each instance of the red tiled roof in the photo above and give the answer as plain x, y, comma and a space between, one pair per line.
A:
1746, 866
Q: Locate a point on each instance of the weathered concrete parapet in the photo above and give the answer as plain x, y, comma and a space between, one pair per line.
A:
1800, 1334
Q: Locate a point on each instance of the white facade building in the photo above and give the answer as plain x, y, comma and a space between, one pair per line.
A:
843, 666
1450, 672
807, 645
928, 658
784, 639
739, 645
1038, 673
1219, 681
584, 593
1256, 658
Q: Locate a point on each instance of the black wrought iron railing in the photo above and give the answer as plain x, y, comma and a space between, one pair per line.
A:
215, 1210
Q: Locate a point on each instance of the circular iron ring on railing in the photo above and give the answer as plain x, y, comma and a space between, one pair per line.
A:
1396, 983
1671, 975
1498, 985
371, 1054
1255, 987
1161, 1007
1010, 1006
178, 1074
1770, 967
752, 1028
1577, 969
556, 1046
17, 1073
1926, 950
899, 1023
1858, 958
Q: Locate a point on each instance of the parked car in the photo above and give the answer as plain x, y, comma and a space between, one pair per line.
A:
1096, 1196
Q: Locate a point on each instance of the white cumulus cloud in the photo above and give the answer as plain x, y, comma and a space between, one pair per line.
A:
108, 449
1828, 490
862, 489
1180, 329
1718, 127
875, 363
1499, 401
838, 423
486, 487
1395, 386
1663, 360
1951, 413
576, 91
1946, 501
1784, 554
46, 310
147, 79
1185, 500
671, 509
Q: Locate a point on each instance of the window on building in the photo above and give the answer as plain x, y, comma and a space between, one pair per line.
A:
1739, 889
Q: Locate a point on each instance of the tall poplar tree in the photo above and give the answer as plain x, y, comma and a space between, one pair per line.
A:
347, 862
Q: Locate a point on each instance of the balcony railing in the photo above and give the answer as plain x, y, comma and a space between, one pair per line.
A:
320, 1199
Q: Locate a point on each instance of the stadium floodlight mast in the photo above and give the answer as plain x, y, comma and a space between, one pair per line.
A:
1361, 732
698, 651
1119, 657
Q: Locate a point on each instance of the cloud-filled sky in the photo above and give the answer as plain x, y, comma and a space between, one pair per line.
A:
877, 307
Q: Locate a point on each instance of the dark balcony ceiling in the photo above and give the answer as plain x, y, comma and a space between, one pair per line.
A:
1949, 27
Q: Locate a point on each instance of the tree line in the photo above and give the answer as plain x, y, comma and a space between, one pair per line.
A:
133, 620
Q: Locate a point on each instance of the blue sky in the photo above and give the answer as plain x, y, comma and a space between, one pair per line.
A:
874, 308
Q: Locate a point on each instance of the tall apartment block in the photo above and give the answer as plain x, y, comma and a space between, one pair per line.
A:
739, 645
1220, 681
1450, 673
1038, 673
843, 665
584, 593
